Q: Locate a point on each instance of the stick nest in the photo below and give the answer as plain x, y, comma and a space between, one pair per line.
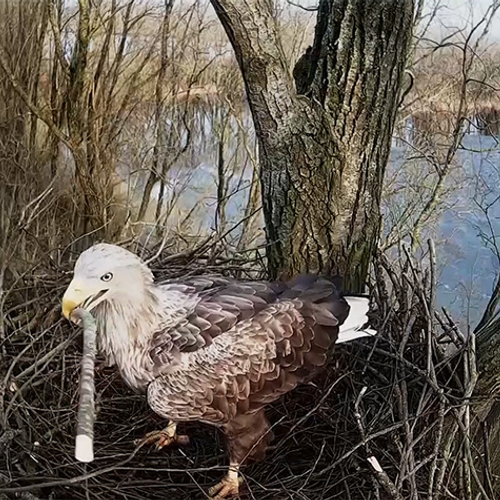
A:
382, 422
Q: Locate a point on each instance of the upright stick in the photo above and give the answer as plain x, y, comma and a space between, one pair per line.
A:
84, 447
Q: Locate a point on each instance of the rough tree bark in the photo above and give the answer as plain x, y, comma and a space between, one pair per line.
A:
323, 153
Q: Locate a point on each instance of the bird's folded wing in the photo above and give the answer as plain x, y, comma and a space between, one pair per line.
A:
220, 308
245, 347
246, 367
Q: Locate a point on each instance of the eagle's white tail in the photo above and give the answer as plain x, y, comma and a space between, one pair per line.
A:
353, 325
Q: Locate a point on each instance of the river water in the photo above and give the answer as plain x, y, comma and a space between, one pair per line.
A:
465, 233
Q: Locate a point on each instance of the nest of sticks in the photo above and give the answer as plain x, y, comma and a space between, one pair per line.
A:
376, 424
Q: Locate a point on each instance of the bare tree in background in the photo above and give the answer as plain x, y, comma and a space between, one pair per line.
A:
452, 88
323, 153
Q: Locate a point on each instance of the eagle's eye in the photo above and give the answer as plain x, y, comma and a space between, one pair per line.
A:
107, 277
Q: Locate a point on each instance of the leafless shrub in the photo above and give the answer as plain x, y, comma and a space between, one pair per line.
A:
450, 95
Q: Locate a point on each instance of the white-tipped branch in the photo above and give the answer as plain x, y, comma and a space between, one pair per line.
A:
84, 446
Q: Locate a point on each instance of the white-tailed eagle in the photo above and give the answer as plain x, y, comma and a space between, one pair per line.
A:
210, 348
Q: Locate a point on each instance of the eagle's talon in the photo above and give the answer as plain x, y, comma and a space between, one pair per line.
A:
227, 488
162, 438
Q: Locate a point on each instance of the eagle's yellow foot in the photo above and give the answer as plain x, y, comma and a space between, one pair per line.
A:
228, 487
164, 437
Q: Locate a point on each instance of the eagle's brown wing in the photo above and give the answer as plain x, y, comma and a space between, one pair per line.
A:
223, 303
244, 346
201, 285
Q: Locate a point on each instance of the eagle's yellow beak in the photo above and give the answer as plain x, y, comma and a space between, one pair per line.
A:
74, 296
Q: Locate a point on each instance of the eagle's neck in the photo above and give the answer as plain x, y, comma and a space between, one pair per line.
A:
126, 328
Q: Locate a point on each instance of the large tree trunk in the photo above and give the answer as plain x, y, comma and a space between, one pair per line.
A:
323, 154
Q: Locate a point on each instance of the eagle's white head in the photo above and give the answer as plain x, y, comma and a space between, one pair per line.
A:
107, 273
118, 288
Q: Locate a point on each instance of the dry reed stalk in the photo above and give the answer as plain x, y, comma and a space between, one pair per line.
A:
84, 446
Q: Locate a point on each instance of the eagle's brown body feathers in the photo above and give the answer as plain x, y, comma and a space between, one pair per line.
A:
248, 345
